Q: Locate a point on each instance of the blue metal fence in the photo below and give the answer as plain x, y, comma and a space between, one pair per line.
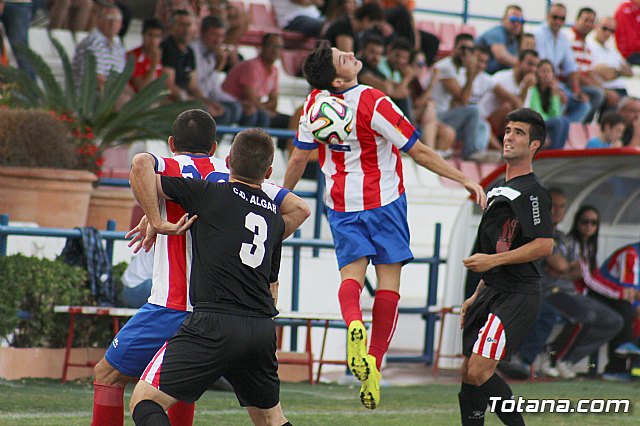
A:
297, 244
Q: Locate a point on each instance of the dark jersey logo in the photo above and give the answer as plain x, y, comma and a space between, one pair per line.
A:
507, 235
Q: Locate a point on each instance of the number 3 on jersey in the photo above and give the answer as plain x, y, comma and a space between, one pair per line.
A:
253, 254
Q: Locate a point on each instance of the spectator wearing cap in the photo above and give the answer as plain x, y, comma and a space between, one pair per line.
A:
503, 40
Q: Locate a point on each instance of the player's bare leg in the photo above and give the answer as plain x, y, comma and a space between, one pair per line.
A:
148, 405
108, 395
267, 417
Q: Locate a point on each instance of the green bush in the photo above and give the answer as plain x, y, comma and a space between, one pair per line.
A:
29, 289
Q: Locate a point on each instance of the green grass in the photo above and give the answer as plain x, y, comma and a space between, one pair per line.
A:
47, 402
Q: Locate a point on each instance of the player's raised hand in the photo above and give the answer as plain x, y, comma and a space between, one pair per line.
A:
139, 233
477, 191
178, 228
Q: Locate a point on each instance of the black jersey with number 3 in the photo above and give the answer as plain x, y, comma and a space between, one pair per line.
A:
236, 241
518, 212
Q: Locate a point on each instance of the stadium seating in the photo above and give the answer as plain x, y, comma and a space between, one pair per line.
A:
292, 61
447, 34
427, 26
262, 21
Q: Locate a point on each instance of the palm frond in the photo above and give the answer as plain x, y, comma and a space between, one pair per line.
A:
27, 93
53, 96
88, 89
113, 88
69, 82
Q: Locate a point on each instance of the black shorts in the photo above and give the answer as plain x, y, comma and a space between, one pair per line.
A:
212, 344
497, 322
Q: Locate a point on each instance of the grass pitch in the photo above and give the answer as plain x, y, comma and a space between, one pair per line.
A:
47, 402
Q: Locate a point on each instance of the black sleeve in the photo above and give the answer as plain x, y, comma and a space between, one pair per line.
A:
186, 192
533, 211
169, 57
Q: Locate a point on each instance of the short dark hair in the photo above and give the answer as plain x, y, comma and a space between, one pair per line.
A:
512, 6
400, 43
211, 21
152, 24
537, 128
611, 118
178, 12
194, 131
371, 11
586, 10
372, 39
462, 37
318, 68
251, 155
526, 52
267, 37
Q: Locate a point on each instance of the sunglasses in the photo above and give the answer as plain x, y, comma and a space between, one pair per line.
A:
611, 30
518, 19
592, 222
558, 18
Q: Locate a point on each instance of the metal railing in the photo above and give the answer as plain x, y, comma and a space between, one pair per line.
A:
297, 244
465, 15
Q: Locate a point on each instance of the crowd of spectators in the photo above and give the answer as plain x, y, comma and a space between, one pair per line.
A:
568, 74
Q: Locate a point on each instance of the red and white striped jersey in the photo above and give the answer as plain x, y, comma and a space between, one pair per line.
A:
365, 171
172, 258
618, 271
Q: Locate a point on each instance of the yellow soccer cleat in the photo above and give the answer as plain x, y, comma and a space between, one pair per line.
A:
370, 390
357, 350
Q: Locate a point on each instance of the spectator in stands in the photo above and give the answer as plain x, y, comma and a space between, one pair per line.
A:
435, 134
345, 32
608, 63
527, 42
178, 63
629, 107
235, 18
254, 83
616, 285
197, 9
589, 81
515, 83
628, 34
103, 42
74, 15
451, 95
211, 57
554, 46
137, 279
598, 323
301, 16
612, 126
148, 57
15, 16
546, 98
397, 67
503, 40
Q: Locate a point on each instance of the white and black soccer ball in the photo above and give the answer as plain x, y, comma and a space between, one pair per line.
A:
330, 120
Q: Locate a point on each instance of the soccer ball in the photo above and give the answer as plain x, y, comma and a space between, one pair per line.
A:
330, 120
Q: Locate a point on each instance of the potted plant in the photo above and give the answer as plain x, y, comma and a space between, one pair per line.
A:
91, 116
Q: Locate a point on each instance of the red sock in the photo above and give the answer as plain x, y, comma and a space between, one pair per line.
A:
108, 405
349, 298
181, 413
385, 318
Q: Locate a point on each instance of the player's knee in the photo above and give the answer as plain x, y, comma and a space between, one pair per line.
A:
476, 374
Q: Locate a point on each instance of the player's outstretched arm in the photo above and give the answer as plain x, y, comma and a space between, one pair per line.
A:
147, 189
295, 167
533, 250
429, 159
294, 212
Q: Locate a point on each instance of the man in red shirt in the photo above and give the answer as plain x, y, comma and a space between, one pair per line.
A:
628, 32
148, 65
254, 83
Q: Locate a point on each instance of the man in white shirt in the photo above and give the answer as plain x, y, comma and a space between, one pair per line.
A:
608, 63
211, 57
513, 86
451, 95
300, 16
